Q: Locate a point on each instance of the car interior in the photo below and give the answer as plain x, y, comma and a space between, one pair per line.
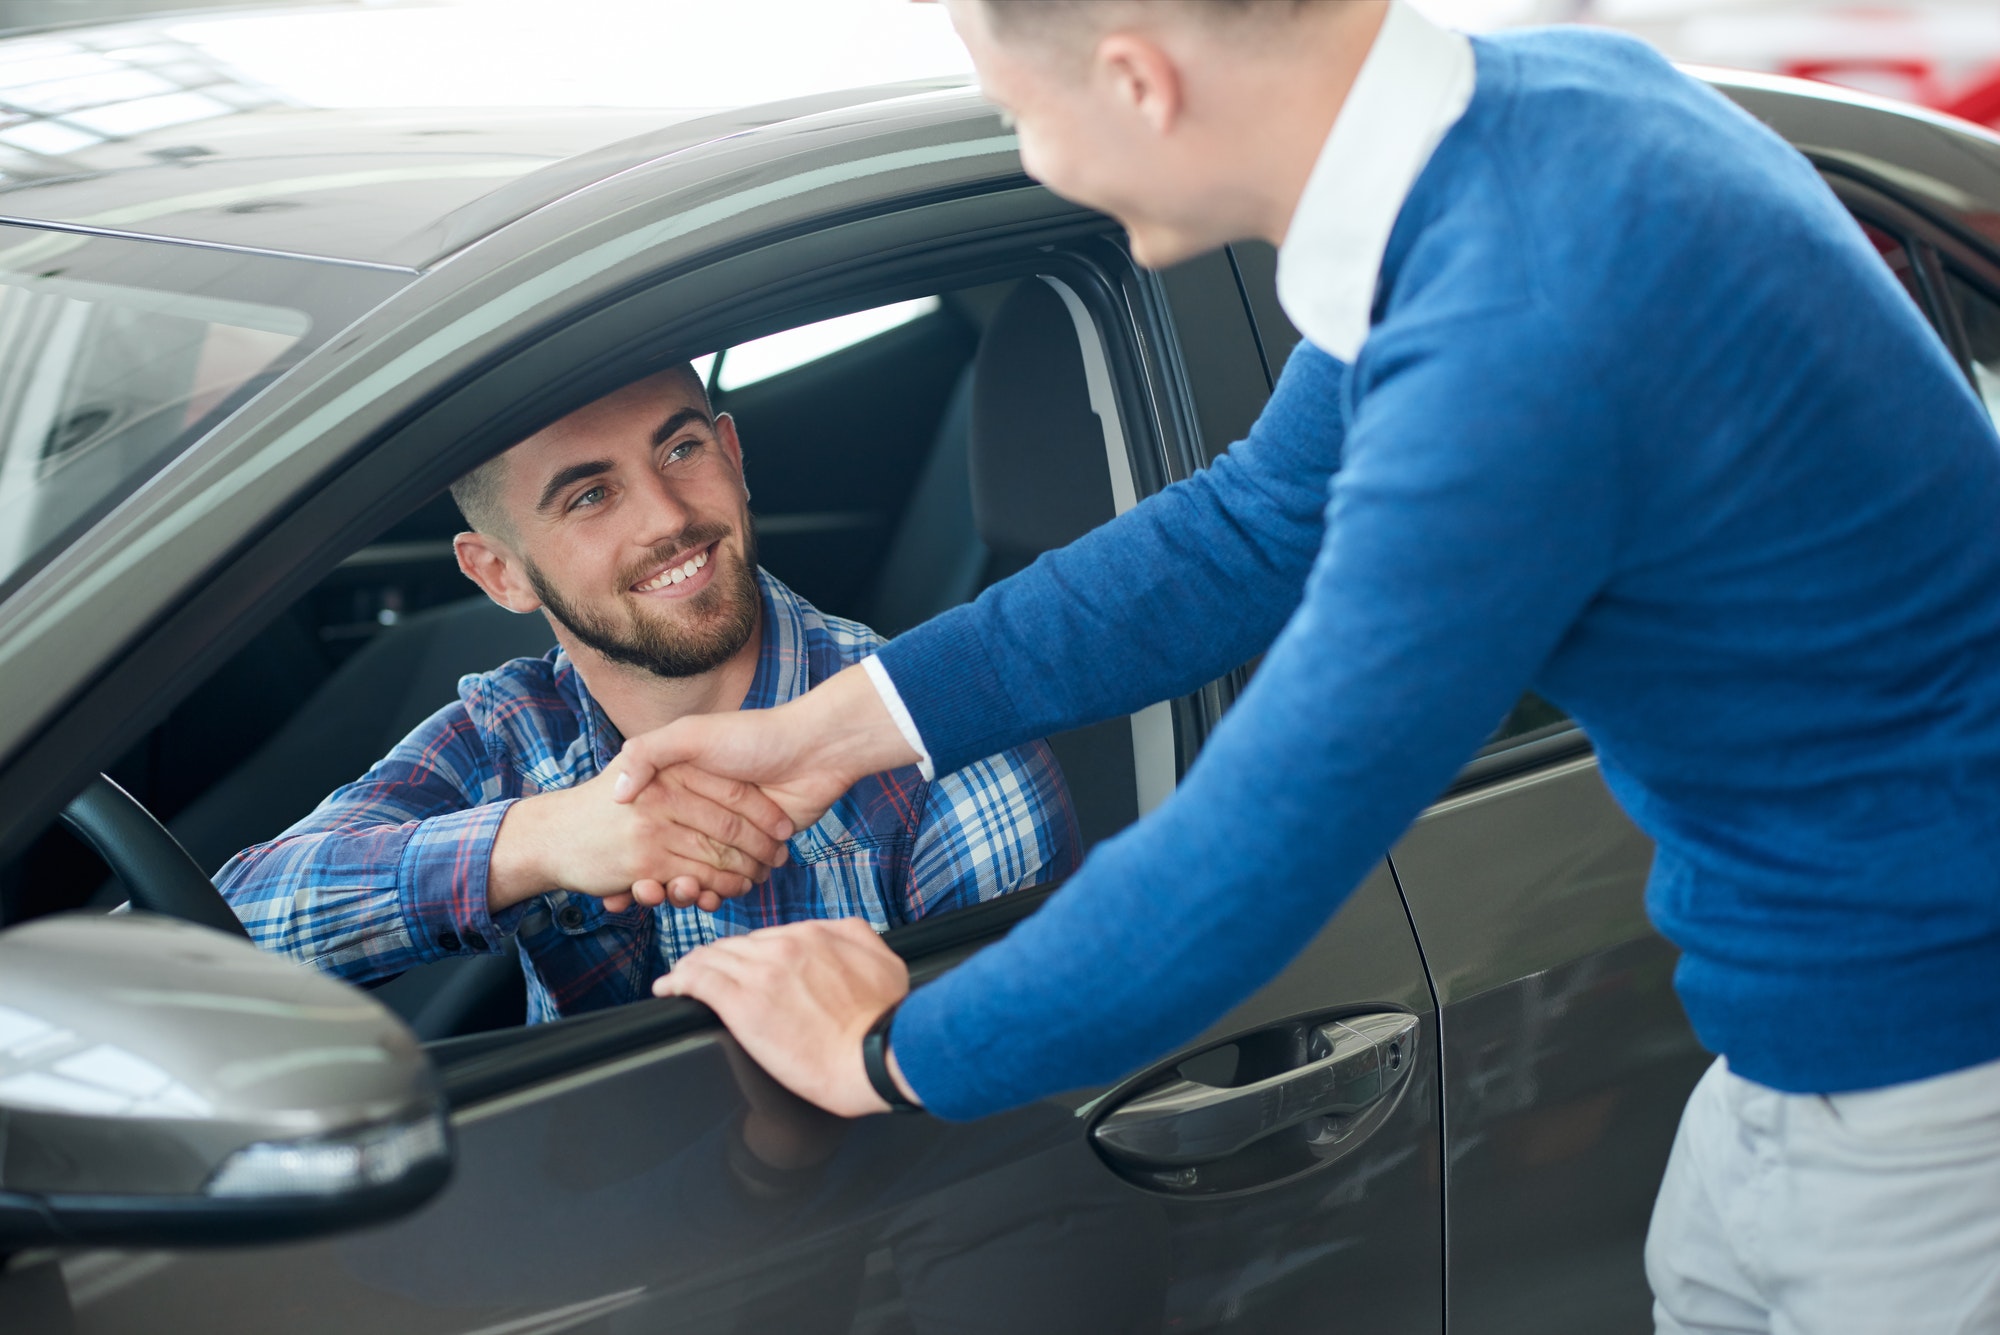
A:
900, 459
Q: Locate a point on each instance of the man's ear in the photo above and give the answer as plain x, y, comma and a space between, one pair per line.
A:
732, 445
493, 568
1141, 77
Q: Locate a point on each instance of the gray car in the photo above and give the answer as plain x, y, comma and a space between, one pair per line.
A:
236, 371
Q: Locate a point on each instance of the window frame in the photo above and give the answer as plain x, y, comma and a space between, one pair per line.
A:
550, 367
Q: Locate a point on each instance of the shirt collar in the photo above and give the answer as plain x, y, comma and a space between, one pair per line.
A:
1414, 86
784, 668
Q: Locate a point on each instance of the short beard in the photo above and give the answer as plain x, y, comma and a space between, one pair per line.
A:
663, 651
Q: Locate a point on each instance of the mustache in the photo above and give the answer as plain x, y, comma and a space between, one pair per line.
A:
694, 535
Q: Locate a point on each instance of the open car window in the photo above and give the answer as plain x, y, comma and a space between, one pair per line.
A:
863, 454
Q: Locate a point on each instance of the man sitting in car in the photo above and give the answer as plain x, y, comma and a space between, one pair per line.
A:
627, 524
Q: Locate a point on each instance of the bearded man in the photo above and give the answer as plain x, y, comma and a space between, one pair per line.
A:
492, 825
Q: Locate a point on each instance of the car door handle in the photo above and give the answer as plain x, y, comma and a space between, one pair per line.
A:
1350, 1064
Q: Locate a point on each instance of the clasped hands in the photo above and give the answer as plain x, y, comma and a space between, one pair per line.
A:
698, 812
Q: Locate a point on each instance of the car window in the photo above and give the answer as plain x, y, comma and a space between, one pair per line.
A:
115, 355
1896, 256
1979, 310
861, 451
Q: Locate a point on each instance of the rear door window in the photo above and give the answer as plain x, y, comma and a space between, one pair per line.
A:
1896, 255
1979, 311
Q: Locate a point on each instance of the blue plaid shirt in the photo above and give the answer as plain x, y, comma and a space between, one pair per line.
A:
390, 870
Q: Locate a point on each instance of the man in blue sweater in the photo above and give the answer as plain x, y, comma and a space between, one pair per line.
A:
1605, 396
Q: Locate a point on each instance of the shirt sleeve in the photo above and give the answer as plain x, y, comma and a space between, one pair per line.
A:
390, 870
1473, 518
997, 825
1186, 585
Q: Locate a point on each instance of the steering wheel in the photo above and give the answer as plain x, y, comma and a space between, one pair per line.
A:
158, 872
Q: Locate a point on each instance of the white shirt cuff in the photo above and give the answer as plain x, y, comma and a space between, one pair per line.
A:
892, 701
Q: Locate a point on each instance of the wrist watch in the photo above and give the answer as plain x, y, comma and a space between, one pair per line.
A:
875, 1060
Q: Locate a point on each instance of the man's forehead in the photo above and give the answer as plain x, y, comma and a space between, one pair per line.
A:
627, 416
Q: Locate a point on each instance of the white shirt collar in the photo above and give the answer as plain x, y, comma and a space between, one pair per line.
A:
1413, 87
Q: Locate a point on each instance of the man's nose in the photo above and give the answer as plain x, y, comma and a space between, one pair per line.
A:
667, 515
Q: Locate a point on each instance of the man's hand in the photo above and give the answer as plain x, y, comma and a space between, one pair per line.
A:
708, 838
799, 998
804, 754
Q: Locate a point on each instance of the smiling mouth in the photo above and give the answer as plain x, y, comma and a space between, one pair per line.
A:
676, 573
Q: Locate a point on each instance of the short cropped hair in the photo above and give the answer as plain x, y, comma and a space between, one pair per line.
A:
477, 494
1044, 18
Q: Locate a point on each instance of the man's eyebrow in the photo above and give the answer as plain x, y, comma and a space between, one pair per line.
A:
563, 477
678, 420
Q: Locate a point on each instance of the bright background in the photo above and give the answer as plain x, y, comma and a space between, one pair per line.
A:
64, 92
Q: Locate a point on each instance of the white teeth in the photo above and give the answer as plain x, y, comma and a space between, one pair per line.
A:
677, 574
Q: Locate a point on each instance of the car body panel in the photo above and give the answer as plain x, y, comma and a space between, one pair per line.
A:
609, 1194
397, 188
1567, 1055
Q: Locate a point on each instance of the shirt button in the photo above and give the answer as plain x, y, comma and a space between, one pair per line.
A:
448, 941
474, 941
570, 916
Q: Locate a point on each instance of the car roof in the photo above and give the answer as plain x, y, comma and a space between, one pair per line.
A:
161, 128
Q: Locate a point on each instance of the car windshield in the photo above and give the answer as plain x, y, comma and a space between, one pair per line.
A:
115, 355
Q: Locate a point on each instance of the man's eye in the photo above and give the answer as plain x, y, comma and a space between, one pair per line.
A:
682, 450
591, 497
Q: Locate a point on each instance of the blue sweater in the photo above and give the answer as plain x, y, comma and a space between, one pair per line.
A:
1643, 424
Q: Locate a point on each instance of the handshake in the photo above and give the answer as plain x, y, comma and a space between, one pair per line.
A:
699, 811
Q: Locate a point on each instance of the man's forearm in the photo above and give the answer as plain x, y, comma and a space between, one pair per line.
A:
367, 901
855, 726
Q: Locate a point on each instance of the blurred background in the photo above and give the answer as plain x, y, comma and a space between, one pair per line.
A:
172, 63
95, 85
1943, 54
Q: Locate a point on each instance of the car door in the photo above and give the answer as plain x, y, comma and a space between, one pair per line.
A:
630, 1171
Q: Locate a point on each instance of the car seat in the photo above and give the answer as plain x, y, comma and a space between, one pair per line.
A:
1040, 478
936, 559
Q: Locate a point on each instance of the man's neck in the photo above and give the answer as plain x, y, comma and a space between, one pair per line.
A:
1321, 75
637, 701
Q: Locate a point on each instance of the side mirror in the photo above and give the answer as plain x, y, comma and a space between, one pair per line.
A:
162, 1084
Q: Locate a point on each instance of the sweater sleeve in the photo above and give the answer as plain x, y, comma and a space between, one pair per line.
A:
1170, 595
1471, 521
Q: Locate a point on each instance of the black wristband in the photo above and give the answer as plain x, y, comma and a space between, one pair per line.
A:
875, 1060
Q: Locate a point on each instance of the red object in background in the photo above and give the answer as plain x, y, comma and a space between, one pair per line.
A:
1981, 102
1916, 77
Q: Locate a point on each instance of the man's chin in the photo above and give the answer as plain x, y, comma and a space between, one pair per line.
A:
705, 631
1164, 247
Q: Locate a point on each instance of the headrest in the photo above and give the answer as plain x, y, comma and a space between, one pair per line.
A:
1040, 478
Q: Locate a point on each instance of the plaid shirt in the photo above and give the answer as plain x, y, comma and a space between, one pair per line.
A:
390, 871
